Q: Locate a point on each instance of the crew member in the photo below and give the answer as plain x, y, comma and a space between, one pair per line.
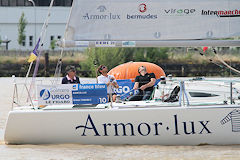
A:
144, 84
71, 77
109, 80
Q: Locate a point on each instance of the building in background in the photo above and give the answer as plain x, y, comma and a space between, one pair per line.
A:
63, 3
11, 10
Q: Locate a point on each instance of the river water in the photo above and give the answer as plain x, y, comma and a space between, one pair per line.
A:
101, 152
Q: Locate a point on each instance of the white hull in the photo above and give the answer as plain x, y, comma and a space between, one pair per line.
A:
217, 125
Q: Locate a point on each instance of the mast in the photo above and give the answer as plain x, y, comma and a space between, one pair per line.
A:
40, 43
59, 63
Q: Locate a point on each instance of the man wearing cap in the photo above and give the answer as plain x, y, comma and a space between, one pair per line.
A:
71, 77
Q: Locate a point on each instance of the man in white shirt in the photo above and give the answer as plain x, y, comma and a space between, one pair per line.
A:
109, 80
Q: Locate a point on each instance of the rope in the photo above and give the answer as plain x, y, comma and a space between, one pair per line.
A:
228, 66
59, 63
42, 38
220, 59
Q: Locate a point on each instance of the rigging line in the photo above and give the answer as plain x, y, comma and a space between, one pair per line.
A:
25, 82
57, 71
42, 31
59, 63
227, 65
42, 38
223, 62
219, 65
43, 27
95, 61
211, 59
95, 66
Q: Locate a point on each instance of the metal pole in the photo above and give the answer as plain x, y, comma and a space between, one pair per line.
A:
183, 98
35, 25
231, 99
34, 6
111, 98
181, 94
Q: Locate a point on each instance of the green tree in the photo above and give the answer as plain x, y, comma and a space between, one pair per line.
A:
21, 29
156, 55
53, 44
112, 57
153, 55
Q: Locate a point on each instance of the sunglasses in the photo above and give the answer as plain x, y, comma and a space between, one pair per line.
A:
103, 67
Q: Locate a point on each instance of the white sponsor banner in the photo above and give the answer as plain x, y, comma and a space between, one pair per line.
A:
153, 20
72, 94
55, 94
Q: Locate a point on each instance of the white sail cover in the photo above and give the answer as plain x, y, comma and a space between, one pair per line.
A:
127, 23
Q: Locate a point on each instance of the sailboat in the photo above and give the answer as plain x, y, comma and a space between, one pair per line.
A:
122, 23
